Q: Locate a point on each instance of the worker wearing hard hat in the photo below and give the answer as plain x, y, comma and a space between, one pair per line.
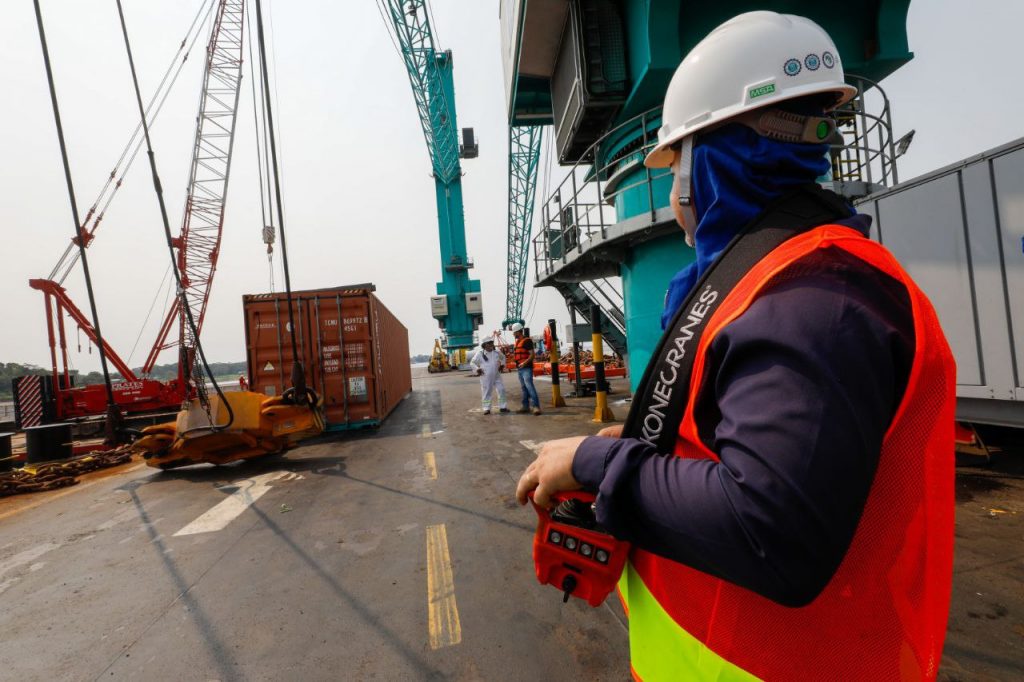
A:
524, 356
489, 364
786, 470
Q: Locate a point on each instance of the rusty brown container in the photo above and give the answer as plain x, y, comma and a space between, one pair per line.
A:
354, 350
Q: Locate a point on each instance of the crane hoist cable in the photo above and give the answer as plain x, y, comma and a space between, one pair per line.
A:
113, 422
149, 313
300, 393
262, 158
116, 178
167, 234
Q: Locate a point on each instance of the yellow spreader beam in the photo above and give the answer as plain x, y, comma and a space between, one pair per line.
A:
261, 425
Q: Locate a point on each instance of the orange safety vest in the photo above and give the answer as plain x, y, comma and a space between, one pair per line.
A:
522, 354
883, 615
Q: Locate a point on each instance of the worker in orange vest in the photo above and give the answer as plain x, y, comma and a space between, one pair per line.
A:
523, 355
785, 474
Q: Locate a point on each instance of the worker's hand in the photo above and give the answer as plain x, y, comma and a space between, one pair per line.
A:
614, 431
551, 472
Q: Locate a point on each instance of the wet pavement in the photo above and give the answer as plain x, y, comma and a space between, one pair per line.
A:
985, 639
394, 554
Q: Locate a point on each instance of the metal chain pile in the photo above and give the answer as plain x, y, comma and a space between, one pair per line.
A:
59, 474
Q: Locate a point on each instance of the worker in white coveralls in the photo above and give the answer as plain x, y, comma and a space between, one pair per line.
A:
490, 363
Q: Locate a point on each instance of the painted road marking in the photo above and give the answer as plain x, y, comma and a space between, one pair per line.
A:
22, 558
431, 464
247, 491
442, 612
426, 433
533, 446
28, 556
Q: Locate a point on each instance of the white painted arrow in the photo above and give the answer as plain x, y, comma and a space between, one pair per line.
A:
248, 490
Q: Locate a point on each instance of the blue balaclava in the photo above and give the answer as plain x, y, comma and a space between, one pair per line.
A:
736, 174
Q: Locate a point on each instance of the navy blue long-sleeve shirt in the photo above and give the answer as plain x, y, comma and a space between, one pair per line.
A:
798, 395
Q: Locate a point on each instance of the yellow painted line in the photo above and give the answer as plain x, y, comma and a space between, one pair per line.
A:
442, 612
48, 497
431, 464
426, 433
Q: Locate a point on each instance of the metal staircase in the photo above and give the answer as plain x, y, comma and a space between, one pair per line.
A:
604, 294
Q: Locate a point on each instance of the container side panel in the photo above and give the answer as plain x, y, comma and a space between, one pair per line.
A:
1008, 171
998, 374
924, 229
395, 368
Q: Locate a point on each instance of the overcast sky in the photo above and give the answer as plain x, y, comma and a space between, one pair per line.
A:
359, 199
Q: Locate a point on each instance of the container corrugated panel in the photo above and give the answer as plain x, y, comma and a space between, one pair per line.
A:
958, 231
354, 351
396, 371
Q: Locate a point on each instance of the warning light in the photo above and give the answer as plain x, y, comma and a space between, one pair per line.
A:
570, 543
586, 550
601, 556
555, 537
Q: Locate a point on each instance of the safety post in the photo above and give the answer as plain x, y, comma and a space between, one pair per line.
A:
576, 347
556, 389
602, 413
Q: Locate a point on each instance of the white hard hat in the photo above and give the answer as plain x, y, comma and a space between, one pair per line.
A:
517, 327
749, 62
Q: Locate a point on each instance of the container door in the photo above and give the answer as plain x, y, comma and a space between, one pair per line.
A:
268, 346
345, 374
358, 359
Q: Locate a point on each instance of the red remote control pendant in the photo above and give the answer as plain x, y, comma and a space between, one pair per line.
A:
573, 553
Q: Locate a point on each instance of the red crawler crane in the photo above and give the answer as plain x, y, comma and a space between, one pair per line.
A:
198, 246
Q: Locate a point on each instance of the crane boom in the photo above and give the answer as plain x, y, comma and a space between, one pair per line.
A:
198, 245
523, 161
457, 305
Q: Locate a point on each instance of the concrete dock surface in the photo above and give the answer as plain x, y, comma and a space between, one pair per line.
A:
396, 554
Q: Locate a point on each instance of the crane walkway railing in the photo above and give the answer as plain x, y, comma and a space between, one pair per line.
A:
581, 209
869, 152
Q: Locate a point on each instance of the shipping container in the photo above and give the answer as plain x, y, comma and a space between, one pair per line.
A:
354, 351
959, 232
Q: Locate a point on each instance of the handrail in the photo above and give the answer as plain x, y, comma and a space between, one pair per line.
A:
858, 159
582, 206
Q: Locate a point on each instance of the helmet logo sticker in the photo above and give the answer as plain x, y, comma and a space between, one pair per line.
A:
828, 60
812, 62
791, 67
766, 89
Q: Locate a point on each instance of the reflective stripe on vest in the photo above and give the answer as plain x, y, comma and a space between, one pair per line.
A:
664, 651
883, 615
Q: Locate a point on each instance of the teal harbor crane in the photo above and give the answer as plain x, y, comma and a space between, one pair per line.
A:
523, 160
457, 306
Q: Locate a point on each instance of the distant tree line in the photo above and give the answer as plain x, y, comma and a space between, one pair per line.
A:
416, 359
12, 370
